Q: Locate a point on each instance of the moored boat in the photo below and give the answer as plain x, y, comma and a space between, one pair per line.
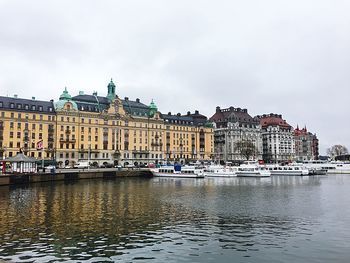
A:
220, 171
287, 170
178, 171
251, 170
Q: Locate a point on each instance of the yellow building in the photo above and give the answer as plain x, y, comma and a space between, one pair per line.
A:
102, 130
23, 124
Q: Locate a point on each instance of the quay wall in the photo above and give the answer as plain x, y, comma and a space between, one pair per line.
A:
13, 179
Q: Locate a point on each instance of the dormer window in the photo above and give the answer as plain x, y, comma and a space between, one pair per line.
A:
33, 107
19, 106
40, 108
26, 107
12, 105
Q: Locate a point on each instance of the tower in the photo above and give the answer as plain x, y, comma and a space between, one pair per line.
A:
111, 91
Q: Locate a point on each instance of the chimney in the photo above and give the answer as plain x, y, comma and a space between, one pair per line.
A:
15, 96
138, 100
33, 98
196, 112
218, 109
81, 92
179, 114
94, 93
188, 113
126, 98
169, 113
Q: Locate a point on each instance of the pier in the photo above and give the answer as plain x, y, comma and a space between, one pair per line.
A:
72, 174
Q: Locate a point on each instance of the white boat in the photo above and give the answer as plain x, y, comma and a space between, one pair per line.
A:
220, 171
335, 167
338, 167
287, 170
178, 171
251, 170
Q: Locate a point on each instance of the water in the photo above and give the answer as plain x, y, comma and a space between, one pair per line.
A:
277, 219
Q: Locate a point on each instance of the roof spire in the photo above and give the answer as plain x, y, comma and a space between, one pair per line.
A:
111, 90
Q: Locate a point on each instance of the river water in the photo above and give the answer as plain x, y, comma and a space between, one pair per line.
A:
277, 219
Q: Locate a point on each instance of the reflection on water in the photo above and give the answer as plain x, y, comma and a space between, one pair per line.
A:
282, 218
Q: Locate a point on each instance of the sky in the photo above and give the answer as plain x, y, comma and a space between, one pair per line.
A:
272, 56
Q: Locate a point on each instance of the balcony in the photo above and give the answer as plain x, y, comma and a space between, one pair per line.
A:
67, 140
156, 144
67, 131
140, 152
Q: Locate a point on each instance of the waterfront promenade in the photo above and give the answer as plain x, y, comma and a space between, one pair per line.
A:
73, 174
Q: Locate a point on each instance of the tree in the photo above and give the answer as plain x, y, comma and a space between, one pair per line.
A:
337, 150
246, 148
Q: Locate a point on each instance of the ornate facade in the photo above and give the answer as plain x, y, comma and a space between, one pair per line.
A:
278, 139
234, 130
101, 130
306, 145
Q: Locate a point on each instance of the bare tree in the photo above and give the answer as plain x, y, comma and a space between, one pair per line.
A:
337, 150
246, 148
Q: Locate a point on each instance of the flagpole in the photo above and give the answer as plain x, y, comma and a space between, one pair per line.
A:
42, 156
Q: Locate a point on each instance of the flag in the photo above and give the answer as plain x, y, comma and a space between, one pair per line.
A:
40, 145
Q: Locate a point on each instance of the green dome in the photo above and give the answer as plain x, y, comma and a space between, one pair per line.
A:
152, 109
153, 106
65, 95
64, 98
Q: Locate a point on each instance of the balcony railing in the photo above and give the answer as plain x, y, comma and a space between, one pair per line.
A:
67, 140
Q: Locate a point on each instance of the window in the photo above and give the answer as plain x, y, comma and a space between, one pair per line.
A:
1, 104
40, 108
12, 105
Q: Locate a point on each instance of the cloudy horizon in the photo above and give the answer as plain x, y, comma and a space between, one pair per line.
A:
283, 57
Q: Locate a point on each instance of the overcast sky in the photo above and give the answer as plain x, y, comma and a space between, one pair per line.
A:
271, 56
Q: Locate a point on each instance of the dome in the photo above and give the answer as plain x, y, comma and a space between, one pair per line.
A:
65, 95
65, 98
152, 109
153, 106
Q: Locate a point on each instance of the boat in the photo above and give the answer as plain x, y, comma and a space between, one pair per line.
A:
323, 167
178, 171
287, 170
220, 171
252, 170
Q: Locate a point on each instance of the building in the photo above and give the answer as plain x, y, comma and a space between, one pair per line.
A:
188, 138
237, 136
24, 124
103, 130
278, 139
306, 145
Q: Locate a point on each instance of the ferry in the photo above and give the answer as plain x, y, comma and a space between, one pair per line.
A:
252, 170
178, 171
287, 170
334, 167
220, 171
